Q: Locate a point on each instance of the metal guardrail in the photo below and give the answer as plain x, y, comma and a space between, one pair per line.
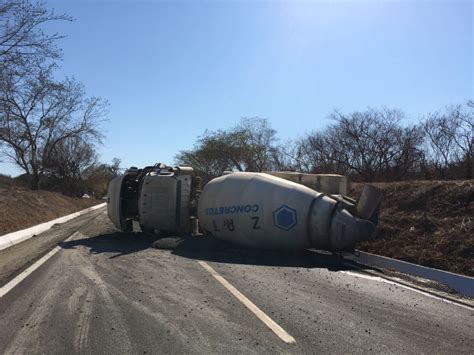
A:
460, 283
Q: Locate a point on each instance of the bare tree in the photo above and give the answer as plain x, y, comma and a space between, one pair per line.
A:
284, 156
450, 139
70, 158
440, 145
408, 163
114, 168
259, 146
371, 144
37, 114
22, 38
464, 139
67, 164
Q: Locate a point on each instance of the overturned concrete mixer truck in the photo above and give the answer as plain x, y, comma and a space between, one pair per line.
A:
273, 210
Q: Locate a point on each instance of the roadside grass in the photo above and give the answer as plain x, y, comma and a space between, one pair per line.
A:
430, 223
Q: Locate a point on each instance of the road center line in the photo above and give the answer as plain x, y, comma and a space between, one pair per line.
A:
279, 331
19, 278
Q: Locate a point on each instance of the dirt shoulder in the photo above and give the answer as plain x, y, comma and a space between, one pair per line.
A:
22, 208
430, 223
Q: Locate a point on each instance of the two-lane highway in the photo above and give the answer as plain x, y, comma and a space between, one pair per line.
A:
110, 292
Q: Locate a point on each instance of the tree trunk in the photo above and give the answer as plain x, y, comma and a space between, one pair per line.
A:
468, 169
34, 181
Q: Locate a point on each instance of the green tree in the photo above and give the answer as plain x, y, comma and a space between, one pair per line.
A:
249, 146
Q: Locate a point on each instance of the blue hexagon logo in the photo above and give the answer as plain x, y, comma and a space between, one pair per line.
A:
284, 217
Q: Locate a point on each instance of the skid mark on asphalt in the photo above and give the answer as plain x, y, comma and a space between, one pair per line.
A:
73, 302
102, 295
161, 318
27, 337
81, 341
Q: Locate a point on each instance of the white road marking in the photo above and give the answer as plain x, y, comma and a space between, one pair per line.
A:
381, 279
11, 285
279, 331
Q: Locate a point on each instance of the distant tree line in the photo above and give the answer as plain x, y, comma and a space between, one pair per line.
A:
48, 127
370, 145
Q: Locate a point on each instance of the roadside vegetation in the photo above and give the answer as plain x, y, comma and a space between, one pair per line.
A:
430, 223
49, 126
374, 145
21, 207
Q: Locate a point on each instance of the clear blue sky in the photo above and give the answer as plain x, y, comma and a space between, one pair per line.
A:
172, 69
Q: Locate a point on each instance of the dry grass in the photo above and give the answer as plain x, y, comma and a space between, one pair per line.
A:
22, 208
427, 222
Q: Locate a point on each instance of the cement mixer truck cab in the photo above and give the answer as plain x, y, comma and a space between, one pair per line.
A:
158, 197
274, 210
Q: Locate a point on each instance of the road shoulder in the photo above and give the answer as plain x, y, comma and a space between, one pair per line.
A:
15, 259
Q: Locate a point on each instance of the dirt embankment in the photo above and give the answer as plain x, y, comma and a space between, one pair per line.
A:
426, 222
22, 208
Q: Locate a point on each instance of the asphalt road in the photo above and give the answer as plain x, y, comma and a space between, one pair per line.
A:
108, 292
